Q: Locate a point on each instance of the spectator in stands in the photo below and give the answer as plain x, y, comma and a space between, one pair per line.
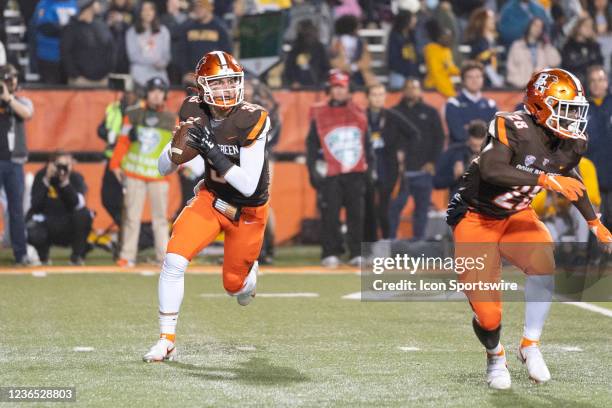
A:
247, 7
390, 134
417, 160
339, 128
201, 33
50, 17
481, 36
599, 130
402, 58
347, 8
464, 10
172, 19
14, 111
440, 66
307, 63
146, 131
58, 215
470, 104
581, 49
446, 18
119, 18
453, 162
530, 54
349, 52
601, 13
148, 46
317, 12
515, 16
87, 47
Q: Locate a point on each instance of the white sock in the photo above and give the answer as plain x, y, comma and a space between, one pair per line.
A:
498, 349
167, 323
538, 298
170, 291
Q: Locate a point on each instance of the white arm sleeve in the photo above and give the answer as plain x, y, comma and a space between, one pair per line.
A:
164, 164
245, 177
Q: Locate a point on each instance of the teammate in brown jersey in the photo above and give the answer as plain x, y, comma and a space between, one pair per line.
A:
231, 135
491, 217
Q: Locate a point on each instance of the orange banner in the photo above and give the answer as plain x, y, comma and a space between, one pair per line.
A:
68, 119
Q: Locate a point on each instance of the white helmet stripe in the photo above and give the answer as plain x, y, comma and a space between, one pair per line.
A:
222, 59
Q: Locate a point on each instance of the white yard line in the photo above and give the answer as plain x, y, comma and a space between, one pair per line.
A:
268, 295
591, 307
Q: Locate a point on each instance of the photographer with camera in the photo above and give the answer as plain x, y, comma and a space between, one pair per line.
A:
58, 215
14, 111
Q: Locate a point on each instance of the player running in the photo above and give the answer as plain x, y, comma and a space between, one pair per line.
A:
231, 136
524, 152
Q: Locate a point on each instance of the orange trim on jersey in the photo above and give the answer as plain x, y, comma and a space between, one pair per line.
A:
121, 148
257, 128
501, 131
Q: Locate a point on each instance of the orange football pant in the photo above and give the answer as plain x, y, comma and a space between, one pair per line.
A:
199, 224
521, 238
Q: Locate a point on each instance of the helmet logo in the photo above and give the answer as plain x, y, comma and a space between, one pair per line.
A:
544, 81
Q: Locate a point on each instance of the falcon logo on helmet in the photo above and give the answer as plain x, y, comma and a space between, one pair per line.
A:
555, 98
220, 79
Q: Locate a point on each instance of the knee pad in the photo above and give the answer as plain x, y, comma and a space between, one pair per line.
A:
174, 267
489, 316
235, 288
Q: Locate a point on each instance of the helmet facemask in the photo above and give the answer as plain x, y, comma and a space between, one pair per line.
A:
568, 118
224, 90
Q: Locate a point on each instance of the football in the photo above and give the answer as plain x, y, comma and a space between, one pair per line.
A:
180, 151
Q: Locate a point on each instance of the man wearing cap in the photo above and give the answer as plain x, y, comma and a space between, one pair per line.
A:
87, 48
202, 33
14, 111
146, 130
338, 153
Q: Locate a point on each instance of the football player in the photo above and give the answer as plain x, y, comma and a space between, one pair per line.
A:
231, 135
524, 152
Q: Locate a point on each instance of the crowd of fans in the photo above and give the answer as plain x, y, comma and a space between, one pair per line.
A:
457, 48
427, 39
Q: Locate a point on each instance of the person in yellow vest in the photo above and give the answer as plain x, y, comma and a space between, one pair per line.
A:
560, 217
440, 66
146, 130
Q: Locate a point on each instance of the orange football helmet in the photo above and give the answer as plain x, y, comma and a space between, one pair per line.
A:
220, 79
555, 98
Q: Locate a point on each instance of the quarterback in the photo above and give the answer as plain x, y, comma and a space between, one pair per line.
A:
231, 135
524, 152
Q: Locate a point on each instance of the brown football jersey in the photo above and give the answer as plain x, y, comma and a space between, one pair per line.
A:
535, 150
244, 125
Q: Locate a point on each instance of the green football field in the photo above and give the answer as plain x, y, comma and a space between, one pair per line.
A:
315, 350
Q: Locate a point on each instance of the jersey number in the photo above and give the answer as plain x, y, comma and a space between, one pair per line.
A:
517, 199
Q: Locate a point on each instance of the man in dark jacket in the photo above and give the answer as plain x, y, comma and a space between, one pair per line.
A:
417, 166
14, 111
389, 129
200, 34
87, 47
599, 130
455, 159
58, 215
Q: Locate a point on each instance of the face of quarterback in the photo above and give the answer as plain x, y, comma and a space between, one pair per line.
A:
339, 93
224, 89
376, 97
598, 83
473, 80
156, 98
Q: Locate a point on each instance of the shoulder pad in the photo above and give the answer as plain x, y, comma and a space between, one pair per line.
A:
506, 127
246, 115
190, 107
